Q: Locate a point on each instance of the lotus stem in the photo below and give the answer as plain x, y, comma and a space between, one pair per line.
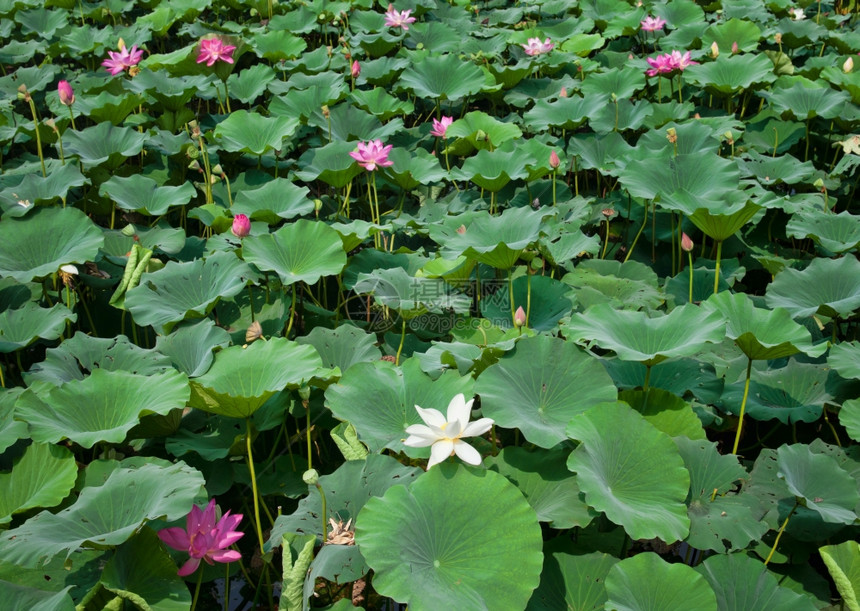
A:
511, 296
717, 269
832, 429
672, 233
308, 429
253, 482
38, 135
2, 380
528, 295
690, 265
402, 340
806, 152
779, 534
197, 589
554, 173
72, 117
636, 239
606, 239
292, 313
654, 231
646, 385
743, 406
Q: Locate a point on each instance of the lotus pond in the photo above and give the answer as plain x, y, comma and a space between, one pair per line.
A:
448, 305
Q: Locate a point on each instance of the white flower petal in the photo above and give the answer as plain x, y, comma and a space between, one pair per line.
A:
441, 450
433, 417
460, 410
419, 441
478, 427
467, 453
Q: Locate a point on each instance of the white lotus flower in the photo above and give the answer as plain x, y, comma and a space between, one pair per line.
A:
446, 435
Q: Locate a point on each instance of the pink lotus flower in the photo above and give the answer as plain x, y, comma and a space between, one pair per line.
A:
652, 24
440, 127
398, 19
355, 69
213, 50
67, 94
203, 538
660, 64
123, 59
241, 226
679, 62
536, 47
372, 154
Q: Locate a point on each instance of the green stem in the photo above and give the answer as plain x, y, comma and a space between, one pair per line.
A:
305, 404
38, 135
528, 295
324, 514
292, 313
197, 589
605, 240
253, 482
554, 172
645, 386
511, 296
743, 407
690, 265
636, 239
402, 339
2, 381
72, 117
779, 534
717, 270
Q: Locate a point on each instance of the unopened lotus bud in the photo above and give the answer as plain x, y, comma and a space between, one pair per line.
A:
686, 243
734, 47
325, 111
67, 94
356, 69
461, 229
241, 226
554, 161
121, 44
730, 138
52, 124
672, 135
318, 204
305, 393
481, 136
519, 317
848, 66
777, 38
311, 477
715, 50
563, 92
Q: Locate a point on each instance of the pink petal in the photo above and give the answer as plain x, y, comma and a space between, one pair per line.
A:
175, 537
226, 556
189, 567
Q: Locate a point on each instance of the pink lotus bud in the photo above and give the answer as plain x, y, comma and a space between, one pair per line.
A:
554, 161
686, 243
735, 47
67, 94
356, 69
461, 229
519, 317
241, 226
563, 92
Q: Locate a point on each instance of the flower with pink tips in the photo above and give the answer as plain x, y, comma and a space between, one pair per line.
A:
213, 50
679, 62
652, 24
398, 19
536, 47
372, 154
67, 94
241, 225
440, 127
123, 59
661, 64
204, 538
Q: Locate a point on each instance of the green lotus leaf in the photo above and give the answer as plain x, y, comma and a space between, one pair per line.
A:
668, 413
411, 296
630, 285
172, 92
186, 290
42, 477
161, 236
348, 122
35, 188
456, 537
572, 581
845, 359
252, 133
849, 417
721, 222
190, 347
843, 564
342, 347
537, 390
103, 143
304, 95
276, 45
677, 377
143, 194
546, 305
709, 470
546, 483
837, 233
106, 514
820, 482
564, 113
646, 582
482, 131
355, 232
620, 82
807, 100
730, 74
303, 251
21, 327
599, 151
330, 163
678, 13
766, 131
107, 107
40, 243
742, 582
380, 103
379, 400
11, 430
745, 33
634, 336
775, 170
274, 200
412, 170
830, 287
142, 571
346, 490
38, 600
762, 334
492, 170
641, 486
242, 379
102, 407
442, 77
250, 83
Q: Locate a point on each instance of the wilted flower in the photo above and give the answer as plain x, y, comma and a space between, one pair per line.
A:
241, 226
213, 50
440, 127
120, 61
686, 243
356, 69
204, 538
519, 317
67, 94
797, 14
536, 47
398, 19
445, 435
848, 66
554, 161
372, 154
652, 24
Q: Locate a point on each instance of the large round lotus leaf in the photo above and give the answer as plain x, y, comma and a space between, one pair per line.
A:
11, 430
849, 417
250, 83
35, 188
411, 297
101, 407
824, 486
762, 334
482, 131
242, 379
620, 82
106, 514
190, 347
251, 132
278, 44
547, 484
46, 239
794, 393
696, 175
845, 359
492, 170
274, 200
351, 123
379, 102
379, 400
43, 477
342, 347
805, 100
143, 194
732, 73
830, 287
629, 286
172, 92
742, 582
745, 33
572, 581
643, 485
720, 222
456, 538
547, 303
346, 491
103, 143
564, 113
303, 251
330, 163
843, 563
836, 232
186, 290
142, 571
82, 353
646, 582
444, 77
634, 336
21, 327
709, 470
538, 388
666, 411
412, 169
